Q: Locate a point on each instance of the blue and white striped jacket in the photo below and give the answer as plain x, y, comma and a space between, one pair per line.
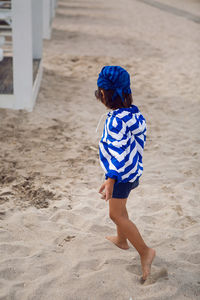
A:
122, 143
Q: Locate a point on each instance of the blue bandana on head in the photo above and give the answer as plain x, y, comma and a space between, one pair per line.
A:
114, 78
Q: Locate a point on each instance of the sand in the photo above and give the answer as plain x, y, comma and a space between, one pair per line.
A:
52, 221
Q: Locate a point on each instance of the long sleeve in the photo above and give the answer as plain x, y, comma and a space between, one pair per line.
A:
112, 151
118, 148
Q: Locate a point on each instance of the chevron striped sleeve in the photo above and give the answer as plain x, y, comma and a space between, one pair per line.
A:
121, 146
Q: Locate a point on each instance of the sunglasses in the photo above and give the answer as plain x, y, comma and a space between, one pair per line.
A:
97, 94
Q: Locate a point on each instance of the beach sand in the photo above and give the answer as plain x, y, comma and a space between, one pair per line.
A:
52, 221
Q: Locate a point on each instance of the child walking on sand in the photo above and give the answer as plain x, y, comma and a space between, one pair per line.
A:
121, 148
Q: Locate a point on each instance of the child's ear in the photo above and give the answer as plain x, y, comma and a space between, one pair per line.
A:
102, 94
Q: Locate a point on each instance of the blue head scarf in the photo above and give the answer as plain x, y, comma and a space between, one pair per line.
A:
114, 78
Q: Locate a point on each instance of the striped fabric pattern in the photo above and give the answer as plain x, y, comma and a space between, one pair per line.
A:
122, 143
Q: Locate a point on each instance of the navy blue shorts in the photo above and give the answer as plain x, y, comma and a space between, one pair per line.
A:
122, 190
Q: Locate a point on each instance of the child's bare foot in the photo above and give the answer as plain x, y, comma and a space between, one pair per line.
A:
146, 262
121, 244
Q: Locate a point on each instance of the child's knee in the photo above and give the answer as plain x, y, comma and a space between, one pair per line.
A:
115, 217
112, 216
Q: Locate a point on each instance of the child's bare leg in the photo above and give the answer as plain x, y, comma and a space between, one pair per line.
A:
120, 240
129, 230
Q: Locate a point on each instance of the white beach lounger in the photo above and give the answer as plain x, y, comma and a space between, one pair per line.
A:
6, 15
1, 54
5, 3
2, 40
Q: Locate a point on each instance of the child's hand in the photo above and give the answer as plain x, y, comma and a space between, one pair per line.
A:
106, 190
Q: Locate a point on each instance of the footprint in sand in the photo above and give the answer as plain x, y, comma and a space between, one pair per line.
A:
86, 267
134, 269
155, 276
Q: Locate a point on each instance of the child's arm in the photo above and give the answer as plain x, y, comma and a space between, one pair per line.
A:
107, 189
112, 148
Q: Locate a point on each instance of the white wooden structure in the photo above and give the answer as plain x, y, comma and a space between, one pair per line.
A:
27, 18
49, 8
